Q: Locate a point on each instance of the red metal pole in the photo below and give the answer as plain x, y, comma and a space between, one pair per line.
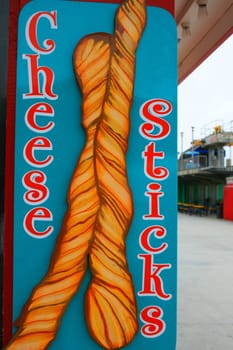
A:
9, 171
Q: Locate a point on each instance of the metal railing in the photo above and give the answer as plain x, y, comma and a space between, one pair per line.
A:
195, 162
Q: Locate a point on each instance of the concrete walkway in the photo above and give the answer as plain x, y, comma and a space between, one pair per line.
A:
205, 283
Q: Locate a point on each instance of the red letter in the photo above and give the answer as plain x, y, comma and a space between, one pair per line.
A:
153, 172
38, 214
154, 110
154, 212
32, 29
38, 192
154, 325
152, 282
34, 82
159, 232
36, 144
43, 110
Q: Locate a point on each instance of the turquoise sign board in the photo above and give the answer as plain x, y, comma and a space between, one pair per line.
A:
95, 231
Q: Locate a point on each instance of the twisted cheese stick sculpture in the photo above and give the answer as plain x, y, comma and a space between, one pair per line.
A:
110, 301
41, 315
99, 201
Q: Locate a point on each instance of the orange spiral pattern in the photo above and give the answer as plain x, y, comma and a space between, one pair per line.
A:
110, 301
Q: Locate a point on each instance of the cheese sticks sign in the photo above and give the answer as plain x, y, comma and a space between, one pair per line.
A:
95, 177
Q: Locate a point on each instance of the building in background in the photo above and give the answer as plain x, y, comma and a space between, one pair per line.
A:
203, 171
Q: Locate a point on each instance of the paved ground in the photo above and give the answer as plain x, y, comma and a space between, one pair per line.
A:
205, 307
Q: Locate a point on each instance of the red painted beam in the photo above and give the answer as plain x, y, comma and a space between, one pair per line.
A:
9, 171
168, 5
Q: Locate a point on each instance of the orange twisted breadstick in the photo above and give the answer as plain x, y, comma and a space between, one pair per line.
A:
99, 202
41, 315
110, 302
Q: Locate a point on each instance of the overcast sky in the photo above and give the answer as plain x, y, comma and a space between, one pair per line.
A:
205, 98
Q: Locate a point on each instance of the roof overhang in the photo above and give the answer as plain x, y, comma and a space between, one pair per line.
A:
202, 26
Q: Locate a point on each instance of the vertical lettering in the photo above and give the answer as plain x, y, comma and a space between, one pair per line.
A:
37, 144
154, 325
158, 232
32, 32
38, 215
154, 128
40, 82
154, 195
152, 282
41, 109
150, 170
153, 111
36, 72
34, 181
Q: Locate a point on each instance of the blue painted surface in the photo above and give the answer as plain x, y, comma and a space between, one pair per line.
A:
156, 77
